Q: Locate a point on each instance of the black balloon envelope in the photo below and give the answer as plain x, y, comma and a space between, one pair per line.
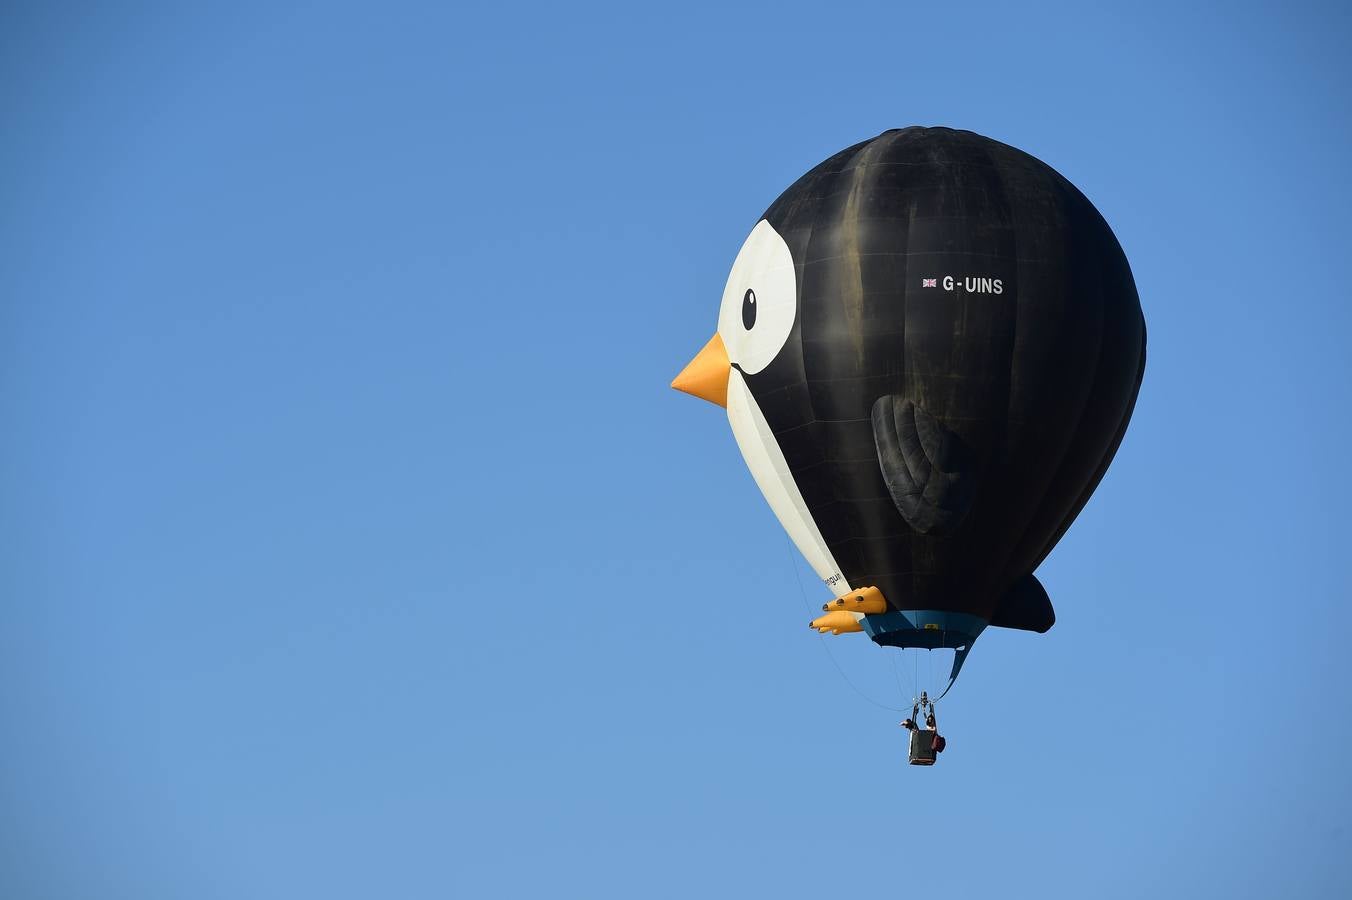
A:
929, 348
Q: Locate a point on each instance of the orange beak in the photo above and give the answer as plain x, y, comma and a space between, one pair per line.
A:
707, 374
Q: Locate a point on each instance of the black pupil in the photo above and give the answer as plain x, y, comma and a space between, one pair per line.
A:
748, 309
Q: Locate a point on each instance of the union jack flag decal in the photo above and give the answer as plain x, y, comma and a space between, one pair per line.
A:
929, 282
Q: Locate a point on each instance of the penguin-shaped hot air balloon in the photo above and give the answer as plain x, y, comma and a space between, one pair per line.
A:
929, 348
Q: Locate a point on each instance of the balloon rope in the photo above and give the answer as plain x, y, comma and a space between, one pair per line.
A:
896, 674
822, 638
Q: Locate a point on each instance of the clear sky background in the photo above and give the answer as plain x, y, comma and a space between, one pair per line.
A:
353, 545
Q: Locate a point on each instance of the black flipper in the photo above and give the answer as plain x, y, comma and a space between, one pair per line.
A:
926, 466
1025, 606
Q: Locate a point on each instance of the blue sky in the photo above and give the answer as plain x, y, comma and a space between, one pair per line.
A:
353, 545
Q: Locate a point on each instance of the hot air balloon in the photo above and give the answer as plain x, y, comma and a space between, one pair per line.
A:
929, 348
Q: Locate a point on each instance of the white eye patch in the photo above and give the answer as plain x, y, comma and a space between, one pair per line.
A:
759, 301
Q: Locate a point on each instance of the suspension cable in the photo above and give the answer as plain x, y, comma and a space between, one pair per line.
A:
822, 639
